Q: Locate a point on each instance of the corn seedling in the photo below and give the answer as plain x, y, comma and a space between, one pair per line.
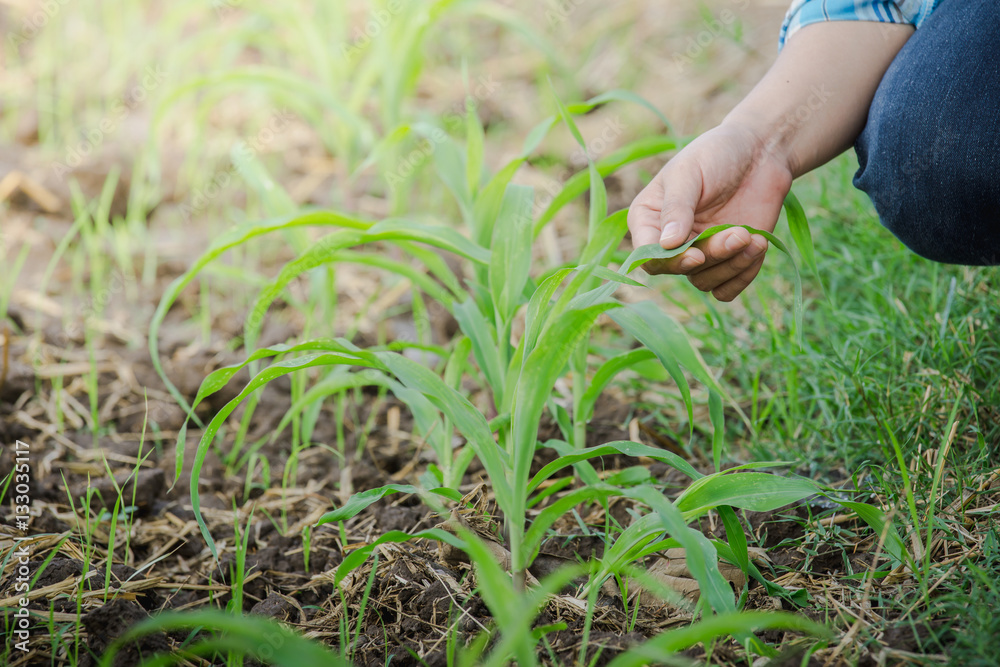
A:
560, 311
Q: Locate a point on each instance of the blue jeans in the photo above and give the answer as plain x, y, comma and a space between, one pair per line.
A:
930, 153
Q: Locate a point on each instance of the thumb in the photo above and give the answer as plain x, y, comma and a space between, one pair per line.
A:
682, 192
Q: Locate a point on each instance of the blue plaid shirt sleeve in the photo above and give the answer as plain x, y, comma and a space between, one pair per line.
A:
805, 12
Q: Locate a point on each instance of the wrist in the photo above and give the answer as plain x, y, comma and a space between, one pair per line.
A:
772, 136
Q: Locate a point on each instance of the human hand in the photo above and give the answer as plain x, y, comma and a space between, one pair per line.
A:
726, 176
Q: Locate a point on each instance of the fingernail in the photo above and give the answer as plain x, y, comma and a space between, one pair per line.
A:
753, 250
689, 263
734, 243
669, 231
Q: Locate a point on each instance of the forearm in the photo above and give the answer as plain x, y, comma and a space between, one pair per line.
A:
813, 103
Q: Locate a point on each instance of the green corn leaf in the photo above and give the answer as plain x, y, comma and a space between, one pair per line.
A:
756, 465
712, 628
272, 372
580, 182
494, 583
484, 343
221, 244
425, 415
449, 162
245, 635
700, 554
359, 501
383, 148
567, 118
276, 199
664, 335
539, 307
510, 382
552, 513
605, 238
458, 362
604, 273
718, 428
754, 491
510, 259
439, 236
737, 538
218, 379
606, 373
541, 368
335, 383
621, 95
329, 249
881, 524
799, 597
634, 543
474, 136
419, 278
315, 255
630, 476
638, 324
438, 267
584, 470
537, 134
487, 203
653, 251
624, 447
562, 417
581, 278
798, 226
514, 611
469, 421
643, 254
598, 200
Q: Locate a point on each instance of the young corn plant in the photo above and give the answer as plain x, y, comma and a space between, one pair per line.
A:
560, 310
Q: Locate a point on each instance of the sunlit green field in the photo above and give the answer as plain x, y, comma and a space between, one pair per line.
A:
323, 342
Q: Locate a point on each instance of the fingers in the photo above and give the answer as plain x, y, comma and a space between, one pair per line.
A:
733, 288
683, 264
709, 253
726, 279
664, 211
682, 193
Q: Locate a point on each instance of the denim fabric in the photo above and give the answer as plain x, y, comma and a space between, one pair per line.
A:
930, 153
